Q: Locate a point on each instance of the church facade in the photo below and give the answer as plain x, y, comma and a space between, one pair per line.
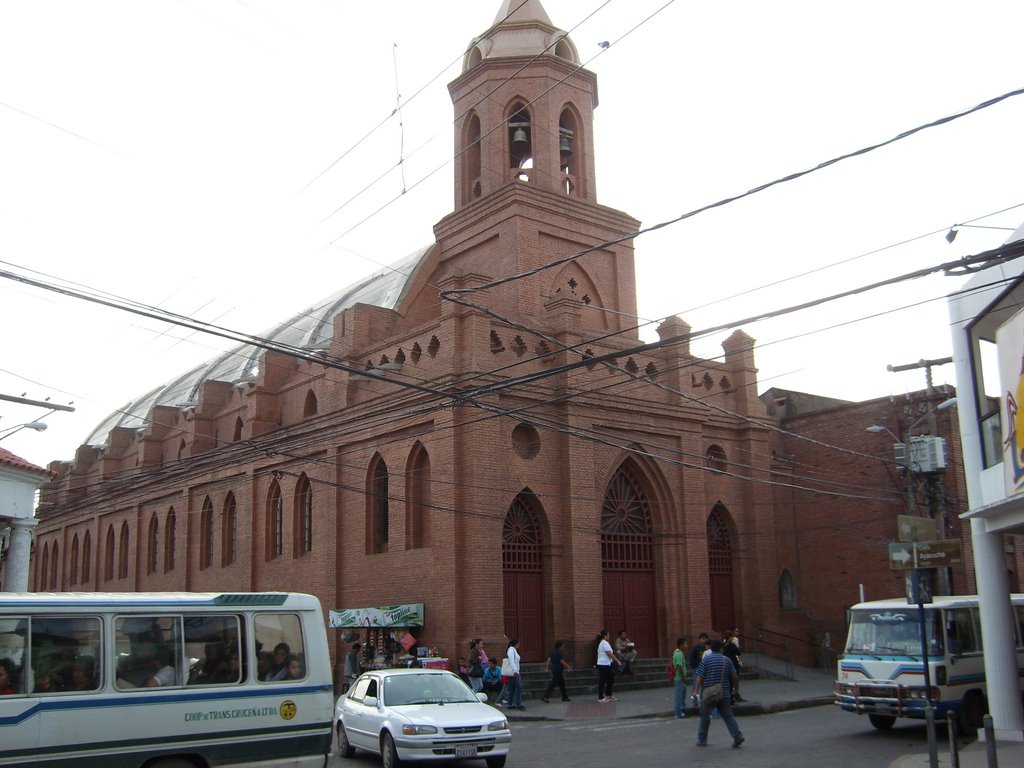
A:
478, 429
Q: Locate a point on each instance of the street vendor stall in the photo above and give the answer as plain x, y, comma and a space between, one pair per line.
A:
387, 631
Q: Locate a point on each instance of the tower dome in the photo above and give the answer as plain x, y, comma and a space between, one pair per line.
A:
525, 30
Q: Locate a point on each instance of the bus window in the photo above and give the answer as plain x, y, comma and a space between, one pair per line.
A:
148, 651
1020, 626
279, 646
960, 631
12, 653
212, 649
66, 654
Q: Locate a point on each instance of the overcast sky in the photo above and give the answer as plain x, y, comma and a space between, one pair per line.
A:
173, 152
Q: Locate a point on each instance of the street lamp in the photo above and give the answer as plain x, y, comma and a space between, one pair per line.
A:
38, 426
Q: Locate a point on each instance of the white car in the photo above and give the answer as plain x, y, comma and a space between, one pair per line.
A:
419, 714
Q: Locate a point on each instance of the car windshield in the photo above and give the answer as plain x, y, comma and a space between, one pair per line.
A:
403, 690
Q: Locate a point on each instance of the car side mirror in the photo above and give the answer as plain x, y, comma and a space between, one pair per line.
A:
482, 697
370, 701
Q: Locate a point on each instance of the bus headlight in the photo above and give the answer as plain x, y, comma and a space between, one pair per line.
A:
843, 689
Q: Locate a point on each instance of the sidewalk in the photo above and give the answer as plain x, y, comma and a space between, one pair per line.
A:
808, 688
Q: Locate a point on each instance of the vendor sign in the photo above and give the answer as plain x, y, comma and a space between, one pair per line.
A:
408, 615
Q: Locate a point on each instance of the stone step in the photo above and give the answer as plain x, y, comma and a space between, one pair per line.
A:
647, 674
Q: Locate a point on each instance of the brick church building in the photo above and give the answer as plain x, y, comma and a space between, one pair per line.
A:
514, 460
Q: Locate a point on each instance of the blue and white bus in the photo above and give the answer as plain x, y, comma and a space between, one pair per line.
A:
163, 680
881, 673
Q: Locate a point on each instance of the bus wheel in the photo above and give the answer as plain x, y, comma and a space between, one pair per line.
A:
972, 713
344, 748
388, 751
882, 722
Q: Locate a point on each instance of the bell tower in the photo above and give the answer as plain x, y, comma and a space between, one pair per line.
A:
524, 108
525, 187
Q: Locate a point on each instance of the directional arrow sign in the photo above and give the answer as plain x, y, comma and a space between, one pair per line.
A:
924, 554
901, 556
913, 528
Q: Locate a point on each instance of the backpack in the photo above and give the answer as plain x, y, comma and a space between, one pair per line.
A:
670, 670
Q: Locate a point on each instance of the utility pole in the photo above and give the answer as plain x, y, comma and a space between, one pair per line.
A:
933, 485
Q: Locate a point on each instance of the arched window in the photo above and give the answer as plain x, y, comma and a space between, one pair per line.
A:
626, 540
417, 495
238, 429
86, 558
206, 535
569, 141
229, 535
309, 408
122, 557
44, 568
520, 142
787, 591
715, 459
275, 521
169, 530
108, 555
153, 540
471, 165
73, 565
303, 516
377, 493
55, 567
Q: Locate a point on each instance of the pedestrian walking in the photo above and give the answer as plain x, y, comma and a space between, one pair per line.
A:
556, 666
605, 659
679, 694
715, 678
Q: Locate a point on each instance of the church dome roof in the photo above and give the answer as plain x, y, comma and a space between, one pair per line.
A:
310, 329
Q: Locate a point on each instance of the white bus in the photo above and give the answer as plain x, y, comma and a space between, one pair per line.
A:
881, 674
163, 680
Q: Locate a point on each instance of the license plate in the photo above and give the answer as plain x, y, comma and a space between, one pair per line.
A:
465, 750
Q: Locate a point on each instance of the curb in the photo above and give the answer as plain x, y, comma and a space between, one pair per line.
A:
745, 709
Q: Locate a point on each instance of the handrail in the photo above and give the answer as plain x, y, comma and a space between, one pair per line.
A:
822, 651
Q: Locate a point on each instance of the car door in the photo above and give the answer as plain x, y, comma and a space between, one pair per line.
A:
372, 713
353, 715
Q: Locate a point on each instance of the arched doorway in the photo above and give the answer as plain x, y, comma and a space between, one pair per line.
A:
627, 560
523, 576
720, 576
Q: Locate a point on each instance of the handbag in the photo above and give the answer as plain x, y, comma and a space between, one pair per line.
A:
712, 694
476, 670
507, 669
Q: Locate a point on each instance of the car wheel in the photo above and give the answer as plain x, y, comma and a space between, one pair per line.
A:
388, 752
344, 748
498, 761
882, 722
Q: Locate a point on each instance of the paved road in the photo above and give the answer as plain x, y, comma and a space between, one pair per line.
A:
822, 737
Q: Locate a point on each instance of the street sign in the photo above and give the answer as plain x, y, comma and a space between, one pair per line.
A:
919, 586
924, 554
913, 528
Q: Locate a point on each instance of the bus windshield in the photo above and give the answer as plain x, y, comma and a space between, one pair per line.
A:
892, 632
